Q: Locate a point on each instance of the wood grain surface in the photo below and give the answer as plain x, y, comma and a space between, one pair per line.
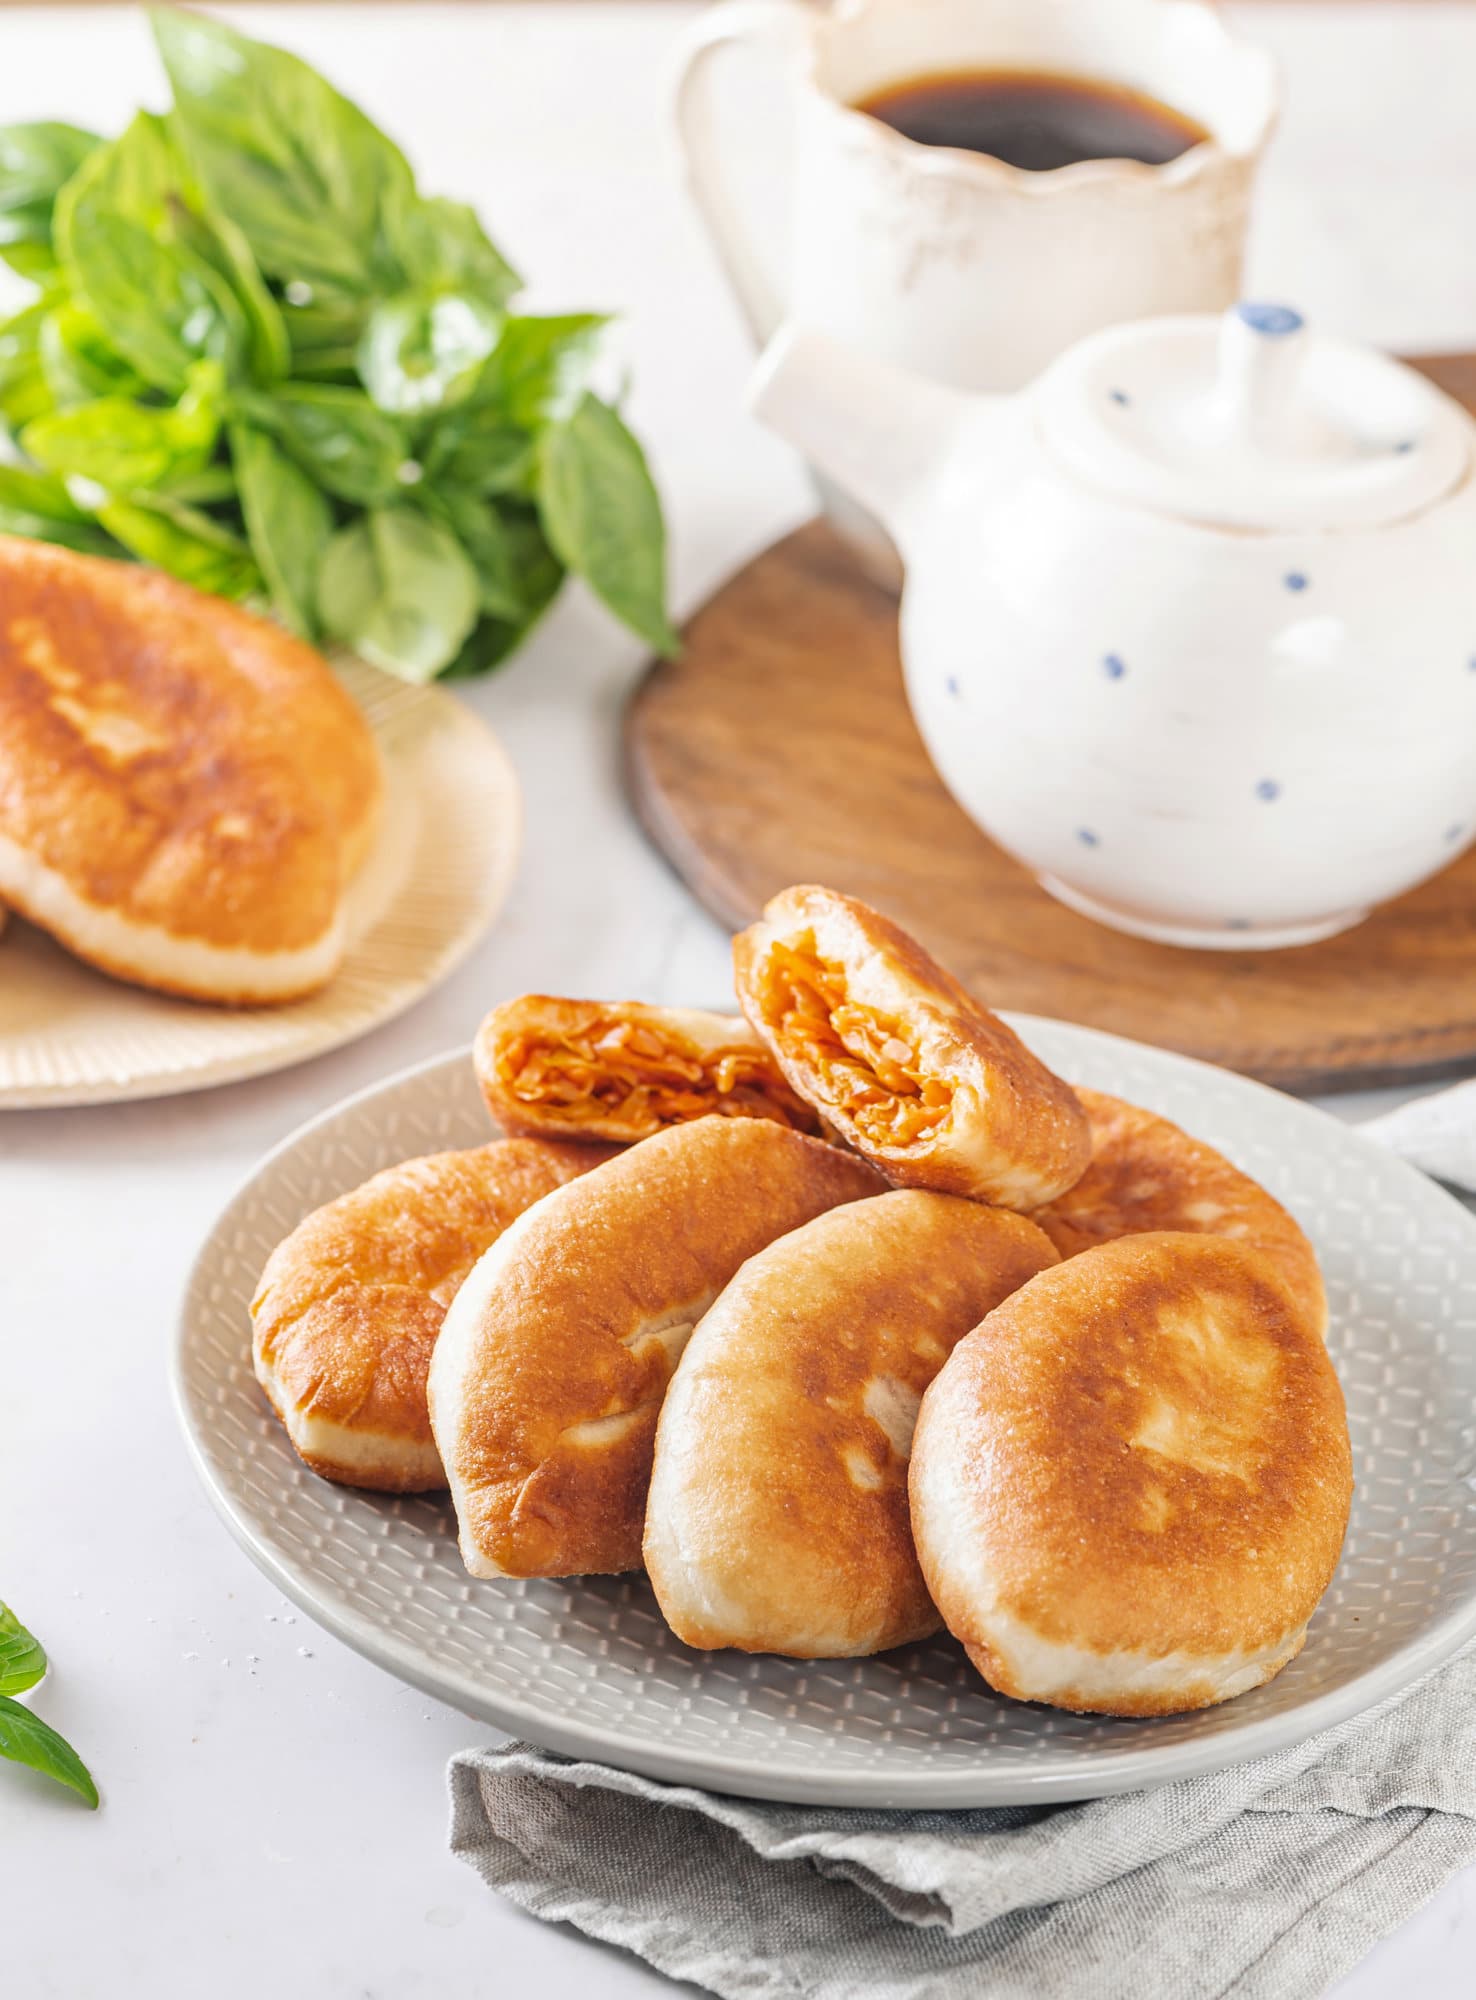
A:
780, 749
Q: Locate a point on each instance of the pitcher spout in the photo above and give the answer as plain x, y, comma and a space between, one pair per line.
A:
881, 434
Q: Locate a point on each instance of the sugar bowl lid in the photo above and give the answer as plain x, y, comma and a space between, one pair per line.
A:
1251, 421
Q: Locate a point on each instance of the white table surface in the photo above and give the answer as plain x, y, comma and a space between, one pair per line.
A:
274, 1809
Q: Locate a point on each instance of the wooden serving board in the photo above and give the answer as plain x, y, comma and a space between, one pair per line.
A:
779, 748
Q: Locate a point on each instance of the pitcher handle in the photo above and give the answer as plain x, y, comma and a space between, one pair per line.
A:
778, 27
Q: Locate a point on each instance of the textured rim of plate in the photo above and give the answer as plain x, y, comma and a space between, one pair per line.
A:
467, 838
1129, 1770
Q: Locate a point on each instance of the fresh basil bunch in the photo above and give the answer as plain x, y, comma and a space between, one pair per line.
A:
260, 359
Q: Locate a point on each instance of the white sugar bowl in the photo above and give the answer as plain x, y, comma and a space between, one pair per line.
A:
1189, 624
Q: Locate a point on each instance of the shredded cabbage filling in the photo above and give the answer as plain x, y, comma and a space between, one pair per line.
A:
867, 1062
627, 1070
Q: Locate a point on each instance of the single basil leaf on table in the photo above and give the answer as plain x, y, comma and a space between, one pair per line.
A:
301, 170
400, 590
36, 161
26, 1739
162, 305
420, 349
336, 435
288, 522
184, 541
440, 245
79, 361
22, 1657
540, 366
603, 518
127, 446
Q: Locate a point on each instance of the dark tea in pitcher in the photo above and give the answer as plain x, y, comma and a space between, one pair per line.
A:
1035, 119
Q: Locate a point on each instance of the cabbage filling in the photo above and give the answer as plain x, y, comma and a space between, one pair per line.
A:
867, 1062
626, 1070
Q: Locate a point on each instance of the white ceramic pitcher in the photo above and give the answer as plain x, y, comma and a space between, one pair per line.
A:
949, 263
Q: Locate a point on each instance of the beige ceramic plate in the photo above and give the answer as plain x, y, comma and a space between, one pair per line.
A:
440, 870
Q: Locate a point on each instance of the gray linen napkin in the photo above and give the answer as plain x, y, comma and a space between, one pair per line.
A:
1267, 1881
1436, 1133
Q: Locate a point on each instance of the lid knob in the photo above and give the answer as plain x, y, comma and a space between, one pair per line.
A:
1259, 366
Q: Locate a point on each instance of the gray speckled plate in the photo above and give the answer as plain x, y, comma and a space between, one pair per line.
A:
587, 1667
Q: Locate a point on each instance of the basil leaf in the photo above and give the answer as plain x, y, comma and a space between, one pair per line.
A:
208, 487
472, 447
26, 1739
288, 521
40, 493
540, 366
400, 590
36, 161
337, 436
493, 551
78, 361
217, 239
420, 349
441, 246
301, 170
490, 642
22, 1658
180, 539
324, 334
37, 505
124, 445
162, 304
24, 391
603, 519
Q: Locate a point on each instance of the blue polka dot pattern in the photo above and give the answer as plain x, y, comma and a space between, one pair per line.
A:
1453, 833
1087, 838
1268, 789
1114, 666
1277, 321
953, 686
1120, 396
1294, 580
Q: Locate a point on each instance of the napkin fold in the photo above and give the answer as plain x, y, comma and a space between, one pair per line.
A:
1268, 1880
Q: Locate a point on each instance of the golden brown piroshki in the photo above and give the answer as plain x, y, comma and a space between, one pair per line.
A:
548, 1376
901, 1061
1148, 1174
350, 1304
777, 1519
185, 789
1130, 1484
